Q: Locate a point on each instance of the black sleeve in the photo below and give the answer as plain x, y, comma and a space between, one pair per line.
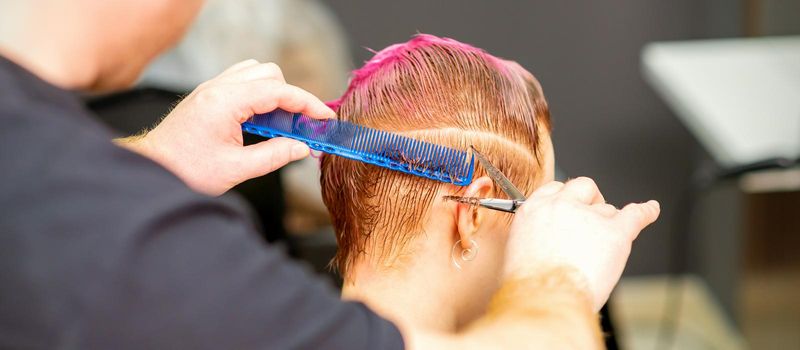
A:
103, 249
118, 258
197, 277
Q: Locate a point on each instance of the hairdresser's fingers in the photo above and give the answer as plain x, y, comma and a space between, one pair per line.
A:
238, 66
290, 98
267, 156
635, 217
548, 189
261, 96
222, 77
584, 190
598, 198
605, 209
266, 71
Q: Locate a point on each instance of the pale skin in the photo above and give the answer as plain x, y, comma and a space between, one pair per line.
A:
438, 293
550, 286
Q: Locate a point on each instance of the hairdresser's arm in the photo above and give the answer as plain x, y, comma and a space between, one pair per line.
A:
566, 252
546, 310
201, 139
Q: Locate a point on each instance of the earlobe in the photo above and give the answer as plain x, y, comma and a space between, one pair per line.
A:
469, 218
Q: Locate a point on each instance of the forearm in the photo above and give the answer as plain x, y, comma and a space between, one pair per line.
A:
139, 144
549, 310
143, 146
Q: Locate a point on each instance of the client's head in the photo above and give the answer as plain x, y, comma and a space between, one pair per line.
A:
445, 92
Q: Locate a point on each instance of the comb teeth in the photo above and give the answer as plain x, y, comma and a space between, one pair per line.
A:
367, 145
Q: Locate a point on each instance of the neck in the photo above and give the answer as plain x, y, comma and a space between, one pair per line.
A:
415, 294
50, 44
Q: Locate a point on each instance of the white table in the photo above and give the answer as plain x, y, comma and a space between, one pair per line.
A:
741, 100
739, 97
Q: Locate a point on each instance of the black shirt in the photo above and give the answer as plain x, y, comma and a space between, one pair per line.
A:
101, 248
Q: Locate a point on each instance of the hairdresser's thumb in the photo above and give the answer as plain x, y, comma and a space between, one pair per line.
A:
267, 156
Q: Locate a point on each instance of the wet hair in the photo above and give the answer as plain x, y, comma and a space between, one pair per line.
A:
436, 90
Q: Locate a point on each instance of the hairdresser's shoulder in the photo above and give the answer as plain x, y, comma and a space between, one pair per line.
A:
103, 248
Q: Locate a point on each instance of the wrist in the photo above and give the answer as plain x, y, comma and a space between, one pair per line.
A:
543, 286
135, 143
142, 144
546, 308
148, 147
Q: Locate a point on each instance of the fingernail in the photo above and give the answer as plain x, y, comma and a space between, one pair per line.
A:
300, 150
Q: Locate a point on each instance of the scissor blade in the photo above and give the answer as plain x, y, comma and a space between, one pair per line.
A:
501, 180
506, 205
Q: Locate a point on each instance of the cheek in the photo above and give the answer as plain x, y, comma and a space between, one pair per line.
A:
502, 228
550, 169
178, 9
548, 159
494, 242
187, 11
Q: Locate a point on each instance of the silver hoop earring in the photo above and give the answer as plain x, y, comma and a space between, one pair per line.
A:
467, 254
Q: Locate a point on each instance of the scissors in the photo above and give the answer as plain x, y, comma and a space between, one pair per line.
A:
506, 205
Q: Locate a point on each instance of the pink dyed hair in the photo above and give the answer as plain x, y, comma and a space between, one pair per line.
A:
396, 54
437, 90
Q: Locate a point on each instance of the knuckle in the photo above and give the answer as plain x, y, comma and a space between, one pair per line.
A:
272, 85
630, 207
649, 216
640, 211
633, 212
292, 95
585, 181
273, 68
647, 210
208, 94
552, 185
525, 209
274, 90
608, 209
562, 203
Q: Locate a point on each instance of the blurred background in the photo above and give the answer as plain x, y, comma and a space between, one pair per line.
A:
695, 103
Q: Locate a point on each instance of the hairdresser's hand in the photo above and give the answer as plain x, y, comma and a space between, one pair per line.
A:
571, 225
201, 139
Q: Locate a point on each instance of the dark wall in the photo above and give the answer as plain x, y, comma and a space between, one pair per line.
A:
609, 125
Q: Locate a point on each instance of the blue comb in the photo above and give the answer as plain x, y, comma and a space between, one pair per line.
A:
367, 145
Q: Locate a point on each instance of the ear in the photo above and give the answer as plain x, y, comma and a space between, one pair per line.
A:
468, 217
